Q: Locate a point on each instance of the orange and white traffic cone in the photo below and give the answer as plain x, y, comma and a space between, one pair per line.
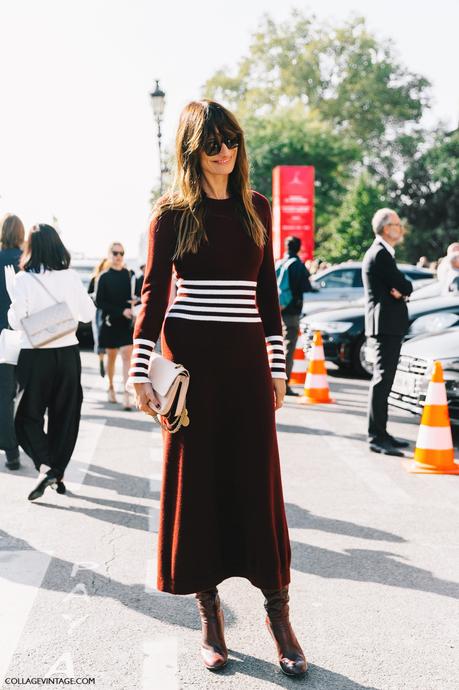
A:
298, 375
434, 452
316, 387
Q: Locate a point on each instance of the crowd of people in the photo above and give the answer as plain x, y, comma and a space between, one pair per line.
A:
228, 301
40, 380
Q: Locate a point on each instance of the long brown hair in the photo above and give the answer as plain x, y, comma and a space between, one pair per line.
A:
199, 120
12, 232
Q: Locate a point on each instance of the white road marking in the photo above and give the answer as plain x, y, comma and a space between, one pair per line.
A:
156, 462
85, 449
160, 664
22, 573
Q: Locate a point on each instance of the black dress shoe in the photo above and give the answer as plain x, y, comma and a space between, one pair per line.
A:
60, 487
290, 391
45, 480
398, 443
386, 448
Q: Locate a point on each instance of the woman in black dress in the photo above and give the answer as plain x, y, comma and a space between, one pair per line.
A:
222, 510
114, 297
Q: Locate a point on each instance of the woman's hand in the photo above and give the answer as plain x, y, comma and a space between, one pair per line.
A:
143, 395
280, 388
127, 313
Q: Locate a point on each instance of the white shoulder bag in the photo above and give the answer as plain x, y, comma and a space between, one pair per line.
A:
50, 323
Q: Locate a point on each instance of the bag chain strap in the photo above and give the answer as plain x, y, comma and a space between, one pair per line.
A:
175, 425
44, 287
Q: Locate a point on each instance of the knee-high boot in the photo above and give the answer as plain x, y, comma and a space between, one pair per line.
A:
213, 647
291, 657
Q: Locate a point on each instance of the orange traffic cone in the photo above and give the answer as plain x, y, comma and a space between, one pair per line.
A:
434, 453
298, 375
316, 387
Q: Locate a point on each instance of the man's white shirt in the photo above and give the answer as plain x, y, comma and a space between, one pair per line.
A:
385, 244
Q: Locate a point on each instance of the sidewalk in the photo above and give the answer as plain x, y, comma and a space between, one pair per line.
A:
374, 574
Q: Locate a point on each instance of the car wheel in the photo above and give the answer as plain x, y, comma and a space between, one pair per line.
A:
359, 363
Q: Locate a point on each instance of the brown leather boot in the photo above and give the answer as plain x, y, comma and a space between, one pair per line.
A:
291, 657
213, 646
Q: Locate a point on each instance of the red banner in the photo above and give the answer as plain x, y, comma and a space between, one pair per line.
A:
293, 208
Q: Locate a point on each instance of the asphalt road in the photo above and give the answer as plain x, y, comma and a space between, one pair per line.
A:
374, 575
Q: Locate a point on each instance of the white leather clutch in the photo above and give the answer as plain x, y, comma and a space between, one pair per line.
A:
170, 383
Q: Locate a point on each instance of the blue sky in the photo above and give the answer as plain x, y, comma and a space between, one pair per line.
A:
77, 139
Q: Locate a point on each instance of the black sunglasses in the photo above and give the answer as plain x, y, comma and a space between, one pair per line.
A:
213, 146
117, 253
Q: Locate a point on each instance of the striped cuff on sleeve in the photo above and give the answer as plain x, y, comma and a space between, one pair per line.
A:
141, 353
276, 356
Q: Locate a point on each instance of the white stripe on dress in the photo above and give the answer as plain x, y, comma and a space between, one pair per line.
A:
182, 291
182, 281
143, 341
197, 317
219, 310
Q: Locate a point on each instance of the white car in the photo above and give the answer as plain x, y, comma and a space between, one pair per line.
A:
342, 285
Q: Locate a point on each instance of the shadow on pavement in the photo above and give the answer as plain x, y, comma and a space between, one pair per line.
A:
296, 429
171, 609
125, 514
317, 677
365, 565
134, 423
298, 517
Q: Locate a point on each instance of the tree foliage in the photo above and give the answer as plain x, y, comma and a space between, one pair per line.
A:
430, 197
343, 75
336, 97
350, 234
286, 137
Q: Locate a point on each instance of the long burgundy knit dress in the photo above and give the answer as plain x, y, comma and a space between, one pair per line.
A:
221, 510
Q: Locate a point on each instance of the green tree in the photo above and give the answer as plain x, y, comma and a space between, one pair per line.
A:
340, 74
430, 198
350, 234
286, 137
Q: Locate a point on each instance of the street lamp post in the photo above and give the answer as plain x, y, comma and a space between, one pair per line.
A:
158, 100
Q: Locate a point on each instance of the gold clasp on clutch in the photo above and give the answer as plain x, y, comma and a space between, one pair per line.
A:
185, 420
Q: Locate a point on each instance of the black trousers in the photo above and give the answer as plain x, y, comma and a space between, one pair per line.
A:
49, 380
290, 326
387, 353
8, 441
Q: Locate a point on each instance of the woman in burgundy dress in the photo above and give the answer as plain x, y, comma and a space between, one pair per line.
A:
222, 509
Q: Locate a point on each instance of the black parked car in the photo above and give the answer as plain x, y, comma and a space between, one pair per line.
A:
343, 330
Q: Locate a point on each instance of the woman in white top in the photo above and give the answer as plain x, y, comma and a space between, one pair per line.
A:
49, 377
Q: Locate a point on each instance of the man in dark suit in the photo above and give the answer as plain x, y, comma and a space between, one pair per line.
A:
386, 321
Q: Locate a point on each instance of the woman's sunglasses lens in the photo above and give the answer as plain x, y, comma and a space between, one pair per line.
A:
213, 147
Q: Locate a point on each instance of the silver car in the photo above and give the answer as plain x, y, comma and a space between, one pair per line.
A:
415, 369
342, 285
